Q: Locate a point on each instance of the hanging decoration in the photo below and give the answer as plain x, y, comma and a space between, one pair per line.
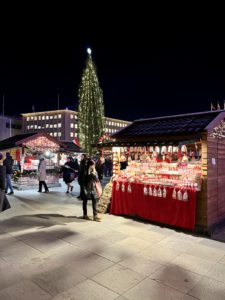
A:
219, 131
41, 144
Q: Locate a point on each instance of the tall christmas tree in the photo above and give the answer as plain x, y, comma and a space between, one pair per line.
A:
91, 107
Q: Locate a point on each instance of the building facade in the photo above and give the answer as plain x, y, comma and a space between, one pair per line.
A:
63, 124
9, 126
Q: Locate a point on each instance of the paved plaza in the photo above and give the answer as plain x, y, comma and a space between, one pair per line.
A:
48, 252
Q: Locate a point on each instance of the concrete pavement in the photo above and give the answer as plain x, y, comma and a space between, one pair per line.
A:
48, 252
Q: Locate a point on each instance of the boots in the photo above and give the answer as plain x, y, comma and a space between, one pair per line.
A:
96, 218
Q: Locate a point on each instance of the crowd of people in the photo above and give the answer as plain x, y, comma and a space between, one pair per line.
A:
89, 172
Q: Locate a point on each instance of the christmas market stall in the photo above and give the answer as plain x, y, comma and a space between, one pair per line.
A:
25, 150
171, 170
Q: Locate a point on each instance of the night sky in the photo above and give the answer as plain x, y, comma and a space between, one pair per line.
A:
143, 73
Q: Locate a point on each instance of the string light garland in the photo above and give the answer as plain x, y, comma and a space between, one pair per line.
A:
41, 144
219, 131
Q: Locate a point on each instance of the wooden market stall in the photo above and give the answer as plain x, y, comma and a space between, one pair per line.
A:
176, 170
25, 150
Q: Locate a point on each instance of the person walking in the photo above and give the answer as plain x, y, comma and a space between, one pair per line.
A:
70, 170
81, 174
42, 174
8, 163
2, 183
89, 190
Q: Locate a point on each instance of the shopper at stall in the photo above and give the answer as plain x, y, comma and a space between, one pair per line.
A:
89, 191
81, 174
8, 163
42, 174
70, 171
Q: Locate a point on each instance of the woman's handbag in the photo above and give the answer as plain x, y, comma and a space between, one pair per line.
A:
6, 204
98, 188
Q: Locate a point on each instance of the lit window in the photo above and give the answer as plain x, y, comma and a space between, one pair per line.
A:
28, 127
39, 118
75, 116
59, 116
75, 125
35, 126
55, 116
47, 125
39, 127
28, 118
51, 133
35, 118
47, 117
112, 123
55, 125
31, 126
75, 134
59, 133
59, 125
71, 134
71, 116
51, 117
55, 134
43, 117
51, 125
109, 123
31, 118
71, 125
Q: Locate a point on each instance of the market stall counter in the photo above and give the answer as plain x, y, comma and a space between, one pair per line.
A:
167, 205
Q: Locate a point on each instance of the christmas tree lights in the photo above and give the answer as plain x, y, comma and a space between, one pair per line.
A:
91, 107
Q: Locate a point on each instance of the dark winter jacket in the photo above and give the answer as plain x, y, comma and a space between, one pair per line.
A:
8, 163
70, 170
2, 177
81, 172
89, 186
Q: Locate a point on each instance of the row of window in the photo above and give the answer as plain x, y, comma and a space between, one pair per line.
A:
73, 125
73, 116
55, 134
72, 134
111, 123
44, 117
111, 130
46, 126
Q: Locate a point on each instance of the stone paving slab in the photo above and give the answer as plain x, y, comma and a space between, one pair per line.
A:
48, 252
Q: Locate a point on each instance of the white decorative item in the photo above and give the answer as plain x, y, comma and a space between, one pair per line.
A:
145, 191
179, 195
155, 192
159, 192
164, 192
117, 186
129, 190
174, 194
123, 187
185, 196
150, 191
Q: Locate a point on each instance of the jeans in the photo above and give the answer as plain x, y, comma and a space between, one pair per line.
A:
94, 204
9, 183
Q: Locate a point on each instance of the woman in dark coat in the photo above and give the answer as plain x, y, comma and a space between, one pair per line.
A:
70, 170
89, 192
4, 204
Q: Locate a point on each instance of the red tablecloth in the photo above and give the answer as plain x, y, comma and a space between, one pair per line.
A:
163, 210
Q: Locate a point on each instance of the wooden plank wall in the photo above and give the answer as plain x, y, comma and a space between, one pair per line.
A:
201, 201
215, 182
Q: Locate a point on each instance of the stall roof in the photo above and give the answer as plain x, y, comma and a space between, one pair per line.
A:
19, 139
168, 126
12, 141
70, 147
